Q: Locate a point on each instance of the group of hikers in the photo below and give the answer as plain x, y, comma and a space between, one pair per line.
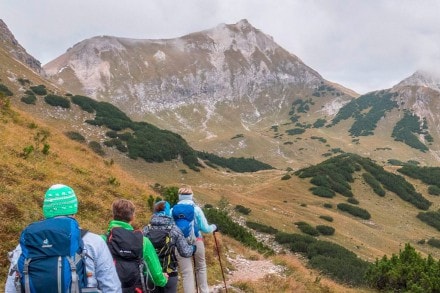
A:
56, 255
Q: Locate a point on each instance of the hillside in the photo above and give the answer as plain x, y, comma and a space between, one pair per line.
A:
43, 142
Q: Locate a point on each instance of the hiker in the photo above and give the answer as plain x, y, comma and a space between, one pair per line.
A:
192, 221
97, 271
166, 237
134, 255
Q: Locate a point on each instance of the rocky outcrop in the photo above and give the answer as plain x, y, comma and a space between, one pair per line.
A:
11, 45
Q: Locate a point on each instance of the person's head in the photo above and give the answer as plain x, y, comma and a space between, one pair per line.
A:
123, 210
60, 200
162, 208
185, 193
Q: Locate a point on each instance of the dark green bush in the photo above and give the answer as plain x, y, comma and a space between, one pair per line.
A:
325, 230
377, 187
261, 228
430, 218
97, 148
55, 101
39, 89
434, 190
327, 218
406, 272
434, 242
242, 209
328, 205
331, 259
352, 200
29, 99
5, 91
354, 211
228, 227
307, 228
322, 191
75, 136
286, 177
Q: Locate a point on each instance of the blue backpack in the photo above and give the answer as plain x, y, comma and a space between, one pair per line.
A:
53, 257
183, 215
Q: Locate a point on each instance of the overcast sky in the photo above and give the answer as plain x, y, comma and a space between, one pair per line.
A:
364, 45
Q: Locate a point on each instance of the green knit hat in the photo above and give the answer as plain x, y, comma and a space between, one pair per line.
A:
59, 200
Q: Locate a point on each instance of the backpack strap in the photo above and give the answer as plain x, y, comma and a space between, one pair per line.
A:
27, 286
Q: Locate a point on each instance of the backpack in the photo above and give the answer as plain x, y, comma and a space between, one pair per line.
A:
126, 247
183, 215
52, 258
160, 237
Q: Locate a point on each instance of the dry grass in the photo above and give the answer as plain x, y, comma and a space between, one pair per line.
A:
23, 181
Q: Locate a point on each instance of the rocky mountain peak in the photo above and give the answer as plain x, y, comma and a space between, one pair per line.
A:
11, 45
422, 78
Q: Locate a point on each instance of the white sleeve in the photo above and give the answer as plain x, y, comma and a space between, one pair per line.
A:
13, 258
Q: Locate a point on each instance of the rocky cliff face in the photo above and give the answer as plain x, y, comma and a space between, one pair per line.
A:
230, 64
10, 44
207, 86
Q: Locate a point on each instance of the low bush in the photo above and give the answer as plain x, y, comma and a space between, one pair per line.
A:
75, 136
322, 191
39, 89
97, 148
329, 258
307, 228
228, 227
57, 101
242, 209
325, 230
354, 211
29, 99
434, 190
434, 242
261, 228
327, 218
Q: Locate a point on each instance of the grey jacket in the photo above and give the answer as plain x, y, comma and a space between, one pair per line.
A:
99, 265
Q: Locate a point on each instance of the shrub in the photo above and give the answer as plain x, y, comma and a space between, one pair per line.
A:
261, 228
322, 191
406, 272
307, 228
354, 211
55, 101
331, 259
434, 242
352, 200
242, 209
286, 177
5, 90
325, 230
96, 147
430, 218
227, 226
327, 218
328, 205
75, 136
39, 89
434, 190
29, 99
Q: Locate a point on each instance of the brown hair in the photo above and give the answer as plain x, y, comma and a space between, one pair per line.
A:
159, 206
123, 210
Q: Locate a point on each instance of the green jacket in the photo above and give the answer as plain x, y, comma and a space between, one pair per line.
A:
149, 254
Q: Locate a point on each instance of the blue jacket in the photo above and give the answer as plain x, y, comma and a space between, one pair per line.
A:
200, 219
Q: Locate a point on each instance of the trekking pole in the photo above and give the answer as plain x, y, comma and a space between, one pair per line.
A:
220, 261
195, 273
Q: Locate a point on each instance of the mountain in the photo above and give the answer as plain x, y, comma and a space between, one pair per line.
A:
210, 86
391, 196
10, 44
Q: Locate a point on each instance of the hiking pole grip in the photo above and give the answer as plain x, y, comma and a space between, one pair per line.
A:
220, 262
